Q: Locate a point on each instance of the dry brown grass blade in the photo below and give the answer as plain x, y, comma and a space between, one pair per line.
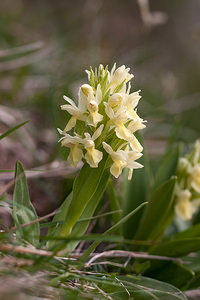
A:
22, 49
55, 169
24, 250
122, 253
192, 294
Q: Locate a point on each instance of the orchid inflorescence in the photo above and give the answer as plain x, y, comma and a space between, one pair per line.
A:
104, 121
188, 186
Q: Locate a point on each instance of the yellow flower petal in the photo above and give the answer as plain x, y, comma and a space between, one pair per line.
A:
75, 155
71, 124
117, 167
122, 132
93, 157
135, 145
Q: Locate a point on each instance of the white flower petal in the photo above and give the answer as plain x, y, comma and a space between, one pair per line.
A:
70, 101
107, 148
98, 132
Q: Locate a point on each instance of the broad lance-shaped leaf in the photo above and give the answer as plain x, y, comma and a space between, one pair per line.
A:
23, 210
193, 231
114, 204
167, 166
59, 217
133, 287
158, 212
85, 187
80, 227
144, 288
135, 192
171, 272
177, 247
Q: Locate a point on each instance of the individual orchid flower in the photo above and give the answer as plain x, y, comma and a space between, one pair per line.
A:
118, 120
130, 103
76, 112
184, 207
122, 159
119, 76
92, 156
188, 184
94, 116
131, 156
115, 101
118, 158
74, 143
195, 177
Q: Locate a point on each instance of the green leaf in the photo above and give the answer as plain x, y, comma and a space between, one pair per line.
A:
23, 210
177, 273
193, 261
171, 272
114, 203
194, 284
111, 229
177, 248
80, 227
84, 188
89, 184
193, 231
148, 288
167, 166
158, 212
132, 287
59, 217
135, 193
12, 129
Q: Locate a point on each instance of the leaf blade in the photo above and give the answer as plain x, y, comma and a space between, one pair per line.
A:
23, 210
12, 130
157, 213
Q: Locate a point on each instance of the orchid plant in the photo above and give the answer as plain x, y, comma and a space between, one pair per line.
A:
101, 133
188, 184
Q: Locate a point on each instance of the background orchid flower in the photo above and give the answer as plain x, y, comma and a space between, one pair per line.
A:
188, 184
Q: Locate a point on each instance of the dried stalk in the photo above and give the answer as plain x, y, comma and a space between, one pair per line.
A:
122, 253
